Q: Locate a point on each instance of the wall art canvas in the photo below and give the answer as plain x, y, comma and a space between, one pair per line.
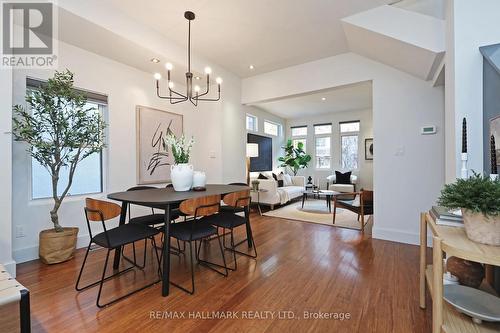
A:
495, 131
153, 158
369, 149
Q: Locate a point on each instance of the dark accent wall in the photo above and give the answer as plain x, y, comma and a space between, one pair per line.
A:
265, 160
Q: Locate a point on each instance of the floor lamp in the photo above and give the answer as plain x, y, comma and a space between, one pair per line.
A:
252, 151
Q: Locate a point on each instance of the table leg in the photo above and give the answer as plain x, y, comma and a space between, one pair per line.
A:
303, 199
329, 203
249, 230
166, 254
437, 282
118, 251
258, 203
423, 258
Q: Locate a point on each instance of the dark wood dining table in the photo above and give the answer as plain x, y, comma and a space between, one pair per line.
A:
163, 198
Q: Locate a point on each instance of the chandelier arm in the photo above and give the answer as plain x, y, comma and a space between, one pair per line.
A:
180, 100
176, 93
166, 97
208, 99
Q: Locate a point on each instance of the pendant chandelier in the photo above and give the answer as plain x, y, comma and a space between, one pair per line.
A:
192, 93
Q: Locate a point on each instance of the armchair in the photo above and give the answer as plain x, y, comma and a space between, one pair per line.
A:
361, 205
331, 184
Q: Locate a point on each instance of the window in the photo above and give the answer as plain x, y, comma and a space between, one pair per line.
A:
321, 129
252, 123
349, 134
88, 177
271, 128
323, 158
296, 143
299, 131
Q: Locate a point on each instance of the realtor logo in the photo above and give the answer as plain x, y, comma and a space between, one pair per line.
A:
28, 34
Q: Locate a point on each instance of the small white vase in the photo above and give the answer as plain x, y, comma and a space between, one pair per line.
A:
199, 179
182, 176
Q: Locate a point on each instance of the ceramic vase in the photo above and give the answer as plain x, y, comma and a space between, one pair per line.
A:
182, 176
482, 229
199, 179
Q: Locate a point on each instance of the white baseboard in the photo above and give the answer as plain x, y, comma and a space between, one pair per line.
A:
10, 266
398, 236
31, 253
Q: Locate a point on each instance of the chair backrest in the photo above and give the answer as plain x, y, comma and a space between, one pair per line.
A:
237, 199
94, 208
367, 197
202, 206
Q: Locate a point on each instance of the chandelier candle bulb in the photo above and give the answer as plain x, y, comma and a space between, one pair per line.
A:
197, 88
169, 66
208, 70
157, 76
171, 85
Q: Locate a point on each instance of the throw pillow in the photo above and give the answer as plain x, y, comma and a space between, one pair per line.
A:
343, 178
280, 183
275, 177
261, 176
287, 180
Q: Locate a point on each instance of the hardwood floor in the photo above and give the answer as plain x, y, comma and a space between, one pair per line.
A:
301, 267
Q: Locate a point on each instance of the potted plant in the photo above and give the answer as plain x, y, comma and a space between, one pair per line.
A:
60, 132
295, 157
181, 172
479, 199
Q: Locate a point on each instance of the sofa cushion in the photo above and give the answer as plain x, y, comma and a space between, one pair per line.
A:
343, 178
342, 188
287, 180
261, 176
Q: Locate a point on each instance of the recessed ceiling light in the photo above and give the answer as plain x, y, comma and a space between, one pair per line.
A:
251, 67
155, 60
323, 98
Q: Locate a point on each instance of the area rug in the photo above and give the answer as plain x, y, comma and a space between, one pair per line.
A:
316, 211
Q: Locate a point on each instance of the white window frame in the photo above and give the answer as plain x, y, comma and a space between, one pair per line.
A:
278, 127
351, 133
256, 119
318, 136
103, 110
299, 136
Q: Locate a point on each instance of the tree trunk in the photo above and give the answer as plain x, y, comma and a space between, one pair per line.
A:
54, 217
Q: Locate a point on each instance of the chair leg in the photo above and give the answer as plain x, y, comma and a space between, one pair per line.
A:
81, 269
134, 261
191, 292
210, 264
234, 246
334, 211
363, 223
102, 280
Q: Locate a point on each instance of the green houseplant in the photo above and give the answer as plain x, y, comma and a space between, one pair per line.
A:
60, 132
479, 199
295, 157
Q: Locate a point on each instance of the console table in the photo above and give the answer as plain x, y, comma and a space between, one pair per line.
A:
454, 242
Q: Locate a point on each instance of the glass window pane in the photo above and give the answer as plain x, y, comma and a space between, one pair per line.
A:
271, 128
349, 152
322, 129
299, 131
296, 142
349, 127
251, 123
87, 177
323, 158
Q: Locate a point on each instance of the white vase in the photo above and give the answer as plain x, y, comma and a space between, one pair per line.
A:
182, 176
199, 179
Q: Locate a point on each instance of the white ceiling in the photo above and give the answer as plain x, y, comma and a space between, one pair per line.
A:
267, 34
346, 98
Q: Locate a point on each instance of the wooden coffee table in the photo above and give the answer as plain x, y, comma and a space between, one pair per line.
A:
328, 195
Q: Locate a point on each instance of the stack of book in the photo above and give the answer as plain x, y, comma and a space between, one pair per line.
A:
443, 216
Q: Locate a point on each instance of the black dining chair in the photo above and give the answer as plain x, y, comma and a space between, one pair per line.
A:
196, 230
112, 239
238, 201
152, 220
225, 208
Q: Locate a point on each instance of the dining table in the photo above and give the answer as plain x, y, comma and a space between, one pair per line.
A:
163, 199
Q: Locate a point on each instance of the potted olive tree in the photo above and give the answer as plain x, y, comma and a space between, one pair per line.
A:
60, 132
479, 199
295, 157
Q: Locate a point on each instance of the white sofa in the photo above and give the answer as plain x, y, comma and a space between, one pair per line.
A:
343, 188
275, 195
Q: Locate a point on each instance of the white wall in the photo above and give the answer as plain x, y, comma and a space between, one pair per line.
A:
471, 24
365, 168
6, 170
408, 167
126, 88
278, 141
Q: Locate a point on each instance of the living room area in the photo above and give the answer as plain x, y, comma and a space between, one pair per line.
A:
250, 166
313, 149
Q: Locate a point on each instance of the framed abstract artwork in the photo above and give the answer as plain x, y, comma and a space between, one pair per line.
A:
153, 158
369, 149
